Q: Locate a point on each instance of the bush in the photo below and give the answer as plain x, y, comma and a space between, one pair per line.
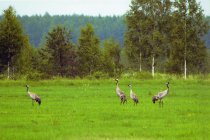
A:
34, 76
2, 76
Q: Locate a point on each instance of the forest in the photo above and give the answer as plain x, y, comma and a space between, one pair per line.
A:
37, 26
150, 37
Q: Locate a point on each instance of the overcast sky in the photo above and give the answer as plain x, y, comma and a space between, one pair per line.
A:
69, 7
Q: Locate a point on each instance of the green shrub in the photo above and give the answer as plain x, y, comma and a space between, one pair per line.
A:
34, 76
2, 76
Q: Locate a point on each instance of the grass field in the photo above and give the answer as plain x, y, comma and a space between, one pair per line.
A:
84, 109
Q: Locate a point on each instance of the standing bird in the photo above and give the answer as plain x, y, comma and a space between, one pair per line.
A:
33, 96
161, 95
133, 96
120, 93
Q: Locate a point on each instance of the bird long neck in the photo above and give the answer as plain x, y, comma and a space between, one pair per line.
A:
167, 89
27, 89
117, 87
131, 90
117, 83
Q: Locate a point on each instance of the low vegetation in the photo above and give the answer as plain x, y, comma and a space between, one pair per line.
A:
89, 109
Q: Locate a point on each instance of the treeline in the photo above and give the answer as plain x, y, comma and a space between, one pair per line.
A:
156, 38
59, 56
37, 27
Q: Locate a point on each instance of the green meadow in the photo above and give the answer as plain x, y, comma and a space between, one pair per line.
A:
91, 110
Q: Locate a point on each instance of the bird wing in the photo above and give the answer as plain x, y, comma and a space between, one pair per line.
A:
119, 92
37, 97
33, 96
133, 95
162, 94
122, 95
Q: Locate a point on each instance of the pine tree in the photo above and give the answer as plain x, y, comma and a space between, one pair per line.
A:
42, 61
111, 57
14, 44
61, 49
89, 51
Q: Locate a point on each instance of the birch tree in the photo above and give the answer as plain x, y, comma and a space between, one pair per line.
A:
188, 29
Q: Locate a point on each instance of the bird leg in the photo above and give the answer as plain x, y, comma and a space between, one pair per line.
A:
125, 100
32, 102
160, 103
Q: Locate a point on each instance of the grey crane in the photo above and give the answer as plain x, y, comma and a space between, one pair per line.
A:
161, 95
120, 93
133, 95
33, 96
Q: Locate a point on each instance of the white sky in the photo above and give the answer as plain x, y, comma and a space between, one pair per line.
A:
69, 7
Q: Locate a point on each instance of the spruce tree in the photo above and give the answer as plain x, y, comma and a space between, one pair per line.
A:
89, 51
111, 57
14, 44
62, 50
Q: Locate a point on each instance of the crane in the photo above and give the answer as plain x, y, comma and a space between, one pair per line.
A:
33, 96
120, 93
161, 95
133, 95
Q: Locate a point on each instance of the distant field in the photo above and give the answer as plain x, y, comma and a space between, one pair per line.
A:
84, 109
